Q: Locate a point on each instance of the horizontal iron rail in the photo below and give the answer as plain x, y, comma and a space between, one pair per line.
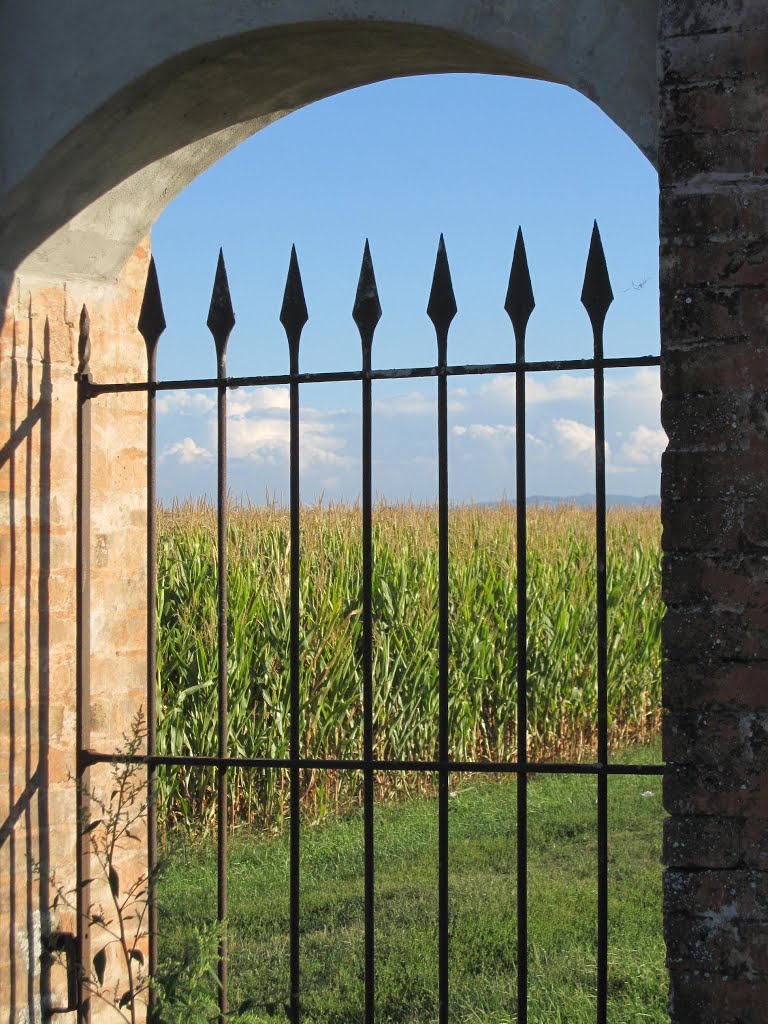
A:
406, 373
91, 757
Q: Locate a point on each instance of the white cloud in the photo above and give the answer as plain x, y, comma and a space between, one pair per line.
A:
561, 387
578, 438
550, 387
267, 399
486, 431
185, 403
187, 452
643, 385
260, 440
266, 440
644, 446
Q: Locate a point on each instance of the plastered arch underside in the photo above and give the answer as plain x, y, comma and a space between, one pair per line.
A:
167, 96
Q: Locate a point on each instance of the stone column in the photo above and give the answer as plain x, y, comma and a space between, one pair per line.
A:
38, 361
713, 141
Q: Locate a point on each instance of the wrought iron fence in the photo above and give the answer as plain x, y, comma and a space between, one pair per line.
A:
596, 297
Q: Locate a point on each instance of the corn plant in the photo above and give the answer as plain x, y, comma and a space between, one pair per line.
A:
561, 644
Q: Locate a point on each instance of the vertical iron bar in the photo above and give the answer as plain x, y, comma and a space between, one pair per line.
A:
442, 570
295, 689
222, 811
441, 310
151, 325
366, 314
519, 306
293, 316
83, 663
597, 296
221, 320
602, 689
368, 696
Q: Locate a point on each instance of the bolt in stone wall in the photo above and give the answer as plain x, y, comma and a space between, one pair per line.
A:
713, 66
38, 360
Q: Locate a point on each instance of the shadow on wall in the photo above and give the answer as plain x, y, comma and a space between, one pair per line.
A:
25, 542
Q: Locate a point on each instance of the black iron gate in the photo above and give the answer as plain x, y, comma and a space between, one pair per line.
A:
596, 298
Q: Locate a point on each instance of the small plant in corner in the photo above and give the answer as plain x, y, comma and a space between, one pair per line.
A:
187, 984
112, 824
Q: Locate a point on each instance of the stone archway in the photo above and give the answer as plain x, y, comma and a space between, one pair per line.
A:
130, 104
115, 108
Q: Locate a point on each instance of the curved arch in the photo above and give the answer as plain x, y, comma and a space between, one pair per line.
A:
80, 195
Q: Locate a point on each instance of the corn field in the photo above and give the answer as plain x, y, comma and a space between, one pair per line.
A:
562, 644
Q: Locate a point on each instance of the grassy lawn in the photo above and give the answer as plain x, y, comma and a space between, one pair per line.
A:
562, 887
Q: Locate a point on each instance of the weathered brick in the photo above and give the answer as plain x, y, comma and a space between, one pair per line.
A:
720, 55
697, 579
716, 735
727, 152
717, 944
713, 155
695, 684
720, 106
698, 996
719, 215
697, 893
731, 263
729, 420
714, 369
753, 841
702, 841
701, 312
702, 526
719, 635
698, 18
730, 790
714, 475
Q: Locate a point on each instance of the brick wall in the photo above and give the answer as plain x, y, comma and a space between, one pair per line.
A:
713, 66
38, 360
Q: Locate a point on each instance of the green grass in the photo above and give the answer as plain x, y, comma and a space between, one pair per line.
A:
482, 858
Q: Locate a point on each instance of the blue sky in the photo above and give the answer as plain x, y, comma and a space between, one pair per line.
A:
399, 163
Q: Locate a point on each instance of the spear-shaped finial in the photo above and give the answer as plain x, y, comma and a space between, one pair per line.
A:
221, 315
519, 303
366, 311
293, 313
151, 318
597, 294
441, 308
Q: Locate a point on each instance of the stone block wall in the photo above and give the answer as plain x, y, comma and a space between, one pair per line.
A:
713, 66
38, 361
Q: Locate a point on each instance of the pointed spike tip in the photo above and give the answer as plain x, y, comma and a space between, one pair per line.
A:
221, 315
293, 313
151, 322
597, 294
442, 308
519, 303
366, 311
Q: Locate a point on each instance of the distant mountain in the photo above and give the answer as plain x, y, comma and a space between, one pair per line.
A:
611, 500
